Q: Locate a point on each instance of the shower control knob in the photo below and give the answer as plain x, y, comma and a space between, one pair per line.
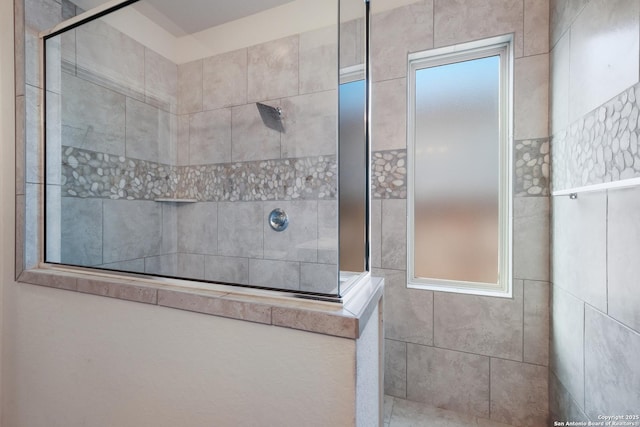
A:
278, 220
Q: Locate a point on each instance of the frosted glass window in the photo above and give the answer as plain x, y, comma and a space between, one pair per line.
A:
458, 174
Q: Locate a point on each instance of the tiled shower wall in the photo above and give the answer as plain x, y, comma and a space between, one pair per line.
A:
484, 356
150, 129
595, 325
220, 126
116, 102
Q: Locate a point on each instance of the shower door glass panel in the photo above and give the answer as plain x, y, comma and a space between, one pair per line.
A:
456, 177
173, 132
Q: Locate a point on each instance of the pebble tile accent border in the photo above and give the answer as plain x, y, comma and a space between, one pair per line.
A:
97, 175
531, 168
89, 174
600, 147
389, 174
306, 178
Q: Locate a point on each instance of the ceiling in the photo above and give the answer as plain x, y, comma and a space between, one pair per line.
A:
180, 19
188, 17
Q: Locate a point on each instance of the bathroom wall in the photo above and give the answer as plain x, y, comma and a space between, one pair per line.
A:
76, 359
112, 127
151, 129
222, 138
484, 356
595, 324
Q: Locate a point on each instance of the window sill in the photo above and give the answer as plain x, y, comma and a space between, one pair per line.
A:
346, 320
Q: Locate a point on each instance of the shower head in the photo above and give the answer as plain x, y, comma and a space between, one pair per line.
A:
271, 116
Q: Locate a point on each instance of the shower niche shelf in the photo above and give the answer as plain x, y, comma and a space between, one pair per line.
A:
169, 200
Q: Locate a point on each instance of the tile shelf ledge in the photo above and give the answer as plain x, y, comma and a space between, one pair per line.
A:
347, 319
176, 200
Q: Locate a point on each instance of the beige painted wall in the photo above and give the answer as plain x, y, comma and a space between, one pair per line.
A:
75, 360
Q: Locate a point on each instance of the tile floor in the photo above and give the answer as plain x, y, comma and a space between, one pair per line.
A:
405, 413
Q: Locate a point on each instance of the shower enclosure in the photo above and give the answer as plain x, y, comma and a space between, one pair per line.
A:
221, 142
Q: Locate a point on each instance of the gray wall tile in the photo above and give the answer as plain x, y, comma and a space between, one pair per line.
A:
567, 342
531, 238
376, 233
169, 228
190, 87
309, 124
225, 80
408, 313
54, 138
191, 266
110, 58
395, 368
394, 234
227, 269
519, 393
328, 231
32, 58
210, 137
579, 247
559, 84
164, 265
562, 407
274, 274
53, 223
623, 252
561, 16
148, 133
182, 140
319, 277
612, 371
32, 224
132, 229
395, 33
351, 43
273, 70
134, 265
389, 115
463, 20
448, 379
299, 242
251, 139
536, 322
41, 15
81, 231
33, 139
479, 324
198, 228
531, 97
240, 229
592, 83
319, 60
160, 81
93, 117
536, 27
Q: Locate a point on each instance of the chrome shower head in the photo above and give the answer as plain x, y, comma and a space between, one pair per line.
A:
271, 116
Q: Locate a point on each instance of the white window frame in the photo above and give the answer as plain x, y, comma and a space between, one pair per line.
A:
502, 46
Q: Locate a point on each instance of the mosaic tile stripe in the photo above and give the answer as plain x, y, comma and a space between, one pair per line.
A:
97, 175
306, 178
600, 147
90, 174
531, 168
389, 174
